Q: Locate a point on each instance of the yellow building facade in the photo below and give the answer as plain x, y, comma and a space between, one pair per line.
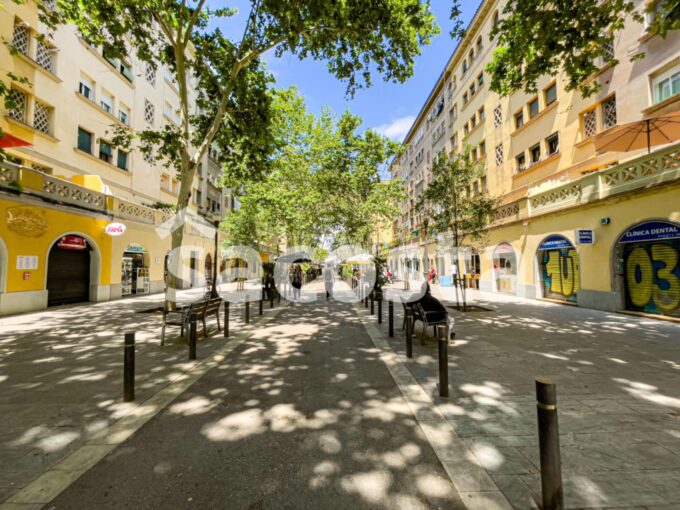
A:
596, 228
64, 184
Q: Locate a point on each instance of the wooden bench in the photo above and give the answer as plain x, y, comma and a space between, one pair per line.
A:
210, 307
181, 316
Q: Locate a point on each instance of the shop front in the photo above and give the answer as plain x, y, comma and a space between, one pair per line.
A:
558, 264
68, 271
505, 268
647, 264
134, 271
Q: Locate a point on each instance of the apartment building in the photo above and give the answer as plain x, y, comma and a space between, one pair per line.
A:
576, 223
65, 181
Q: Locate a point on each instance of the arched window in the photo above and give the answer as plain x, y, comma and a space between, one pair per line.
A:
495, 19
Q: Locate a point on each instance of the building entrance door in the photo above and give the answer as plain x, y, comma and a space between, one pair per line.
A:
68, 271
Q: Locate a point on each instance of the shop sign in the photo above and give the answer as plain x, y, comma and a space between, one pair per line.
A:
651, 231
72, 243
584, 236
554, 242
134, 248
115, 229
27, 262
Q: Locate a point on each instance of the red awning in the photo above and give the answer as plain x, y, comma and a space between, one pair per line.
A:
7, 140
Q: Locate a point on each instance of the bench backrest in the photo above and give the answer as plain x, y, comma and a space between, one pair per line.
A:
212, 306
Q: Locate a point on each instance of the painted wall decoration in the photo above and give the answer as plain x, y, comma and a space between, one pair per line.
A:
559, 266
27, 221
651, 268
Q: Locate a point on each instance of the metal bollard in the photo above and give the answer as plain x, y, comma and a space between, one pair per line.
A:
226, 319
129, 367
260, 310
443, 336
372, 304
409, 332
271, 297
278, 297
390, 318
549, 444
192, 336
379, 310
247, 310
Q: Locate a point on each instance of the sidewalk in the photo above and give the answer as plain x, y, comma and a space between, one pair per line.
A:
618, 385
303, 414
61, 376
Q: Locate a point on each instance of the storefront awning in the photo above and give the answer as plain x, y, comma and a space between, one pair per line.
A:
8, 140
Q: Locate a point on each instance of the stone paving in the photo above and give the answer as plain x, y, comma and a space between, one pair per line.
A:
61, 376
618, 381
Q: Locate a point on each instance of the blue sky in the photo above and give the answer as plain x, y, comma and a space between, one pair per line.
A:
388, 107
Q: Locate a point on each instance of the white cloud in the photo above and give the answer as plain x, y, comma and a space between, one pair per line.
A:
397, 128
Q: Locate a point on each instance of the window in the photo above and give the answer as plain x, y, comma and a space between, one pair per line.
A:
521, 161
666, 85
84, 140
42, 117
454, 141
165, 182
124, 114
465, 98
106, 103
86, 88
550, 94
607, 52
533, 108
552, 144
609, 112
198, 198
499, 155
453, 113
589, 123
122, 160
465, 68
473, 122
519, 119
150, 74
494, 23
482, 149
105, 151
497, 116
479, 45
482, 115
45, 55
21, 37
473, 89
126, 70
471, 55
18, 103
535, 153
149, 111
480, 80
466, 129
175, 186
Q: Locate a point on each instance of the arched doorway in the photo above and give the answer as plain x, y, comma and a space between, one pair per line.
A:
647, 266
559, 268
135, 270
69, 270
505, 268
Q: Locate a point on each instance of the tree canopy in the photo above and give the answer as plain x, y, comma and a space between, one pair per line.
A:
325, 180
543, 37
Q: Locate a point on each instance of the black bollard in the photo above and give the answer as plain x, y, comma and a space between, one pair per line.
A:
271, 297
409, 332
379, 310
549, 444
278, 297
443, 337
247, 310
192, 336
390, 317
372, 305
260, 307
129, 367
226, 319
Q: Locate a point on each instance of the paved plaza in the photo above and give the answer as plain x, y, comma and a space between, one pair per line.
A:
313, 405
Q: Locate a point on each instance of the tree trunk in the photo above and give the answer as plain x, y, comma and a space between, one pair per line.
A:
175, 261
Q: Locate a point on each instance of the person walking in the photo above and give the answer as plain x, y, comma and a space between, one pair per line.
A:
328, 278
432, 277
454, 274
296, 281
